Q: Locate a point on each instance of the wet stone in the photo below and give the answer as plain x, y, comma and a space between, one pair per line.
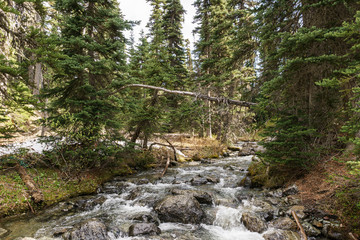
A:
284, 223
144, 229
180, 208
88, 204
310, 230
202, 196
197, 181
299, 210
253, 222
146, 217
90, 230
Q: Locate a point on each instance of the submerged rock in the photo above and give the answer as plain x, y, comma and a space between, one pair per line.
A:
253, 222
91, 229
146, 217
281, 235
144, 229
197, 181
180, 208
202, 196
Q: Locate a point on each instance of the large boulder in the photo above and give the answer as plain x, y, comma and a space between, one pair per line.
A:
281, 235
91, 229
180, 208
202, 196
253, 222
144, 229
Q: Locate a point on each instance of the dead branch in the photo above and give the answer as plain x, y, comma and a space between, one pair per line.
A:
196, 95
161, 144
303, 234
167, 164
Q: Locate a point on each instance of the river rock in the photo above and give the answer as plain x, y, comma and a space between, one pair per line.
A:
144, 229
299, 210
88, 204
332, 231
292, 190
197, 181
310, 230
202, 196
281, 235
284, 223
253, 222
146, 217
91, 229
180, 208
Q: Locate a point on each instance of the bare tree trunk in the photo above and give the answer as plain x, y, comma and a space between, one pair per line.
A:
38, 79
209, 130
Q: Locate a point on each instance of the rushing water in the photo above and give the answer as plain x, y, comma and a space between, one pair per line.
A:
122, 199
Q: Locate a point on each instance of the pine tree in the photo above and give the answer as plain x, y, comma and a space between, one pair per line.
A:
299, 54
93, 62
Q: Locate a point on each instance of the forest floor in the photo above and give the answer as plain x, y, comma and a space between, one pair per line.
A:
329, 187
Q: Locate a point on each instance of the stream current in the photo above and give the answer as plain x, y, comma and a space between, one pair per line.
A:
119, 202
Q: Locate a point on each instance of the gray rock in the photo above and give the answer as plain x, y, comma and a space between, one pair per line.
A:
213, 179
292, 190
180, 208
284, 223
281, 235
332, 231
275, 193
310, 230
144, 229
253, 222
146, 217
88, 204
202, 196
299, 210
197, 181
91, 229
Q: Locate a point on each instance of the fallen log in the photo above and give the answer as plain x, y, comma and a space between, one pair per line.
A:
303, 234
196, 95
35, 193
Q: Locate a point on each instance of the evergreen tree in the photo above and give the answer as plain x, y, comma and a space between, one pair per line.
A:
93, 62
299, 54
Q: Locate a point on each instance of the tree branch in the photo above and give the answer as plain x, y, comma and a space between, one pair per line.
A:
197, 95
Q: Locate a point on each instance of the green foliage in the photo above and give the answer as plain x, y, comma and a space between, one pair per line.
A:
290, 143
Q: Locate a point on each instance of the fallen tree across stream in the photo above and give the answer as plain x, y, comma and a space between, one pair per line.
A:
196, 95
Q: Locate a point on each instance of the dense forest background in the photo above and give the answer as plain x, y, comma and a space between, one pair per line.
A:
68, 63
291, 66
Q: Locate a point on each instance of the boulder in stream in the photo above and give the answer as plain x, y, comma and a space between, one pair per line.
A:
253, 222
180, 208
144, 229
91, 229
146, 217
202, 196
